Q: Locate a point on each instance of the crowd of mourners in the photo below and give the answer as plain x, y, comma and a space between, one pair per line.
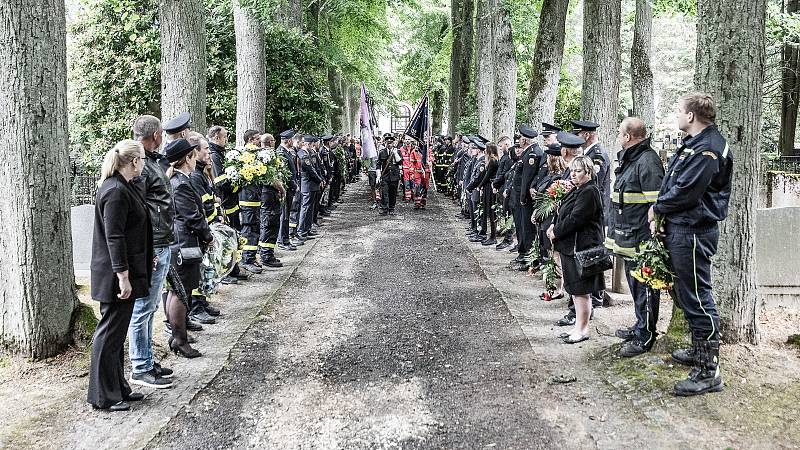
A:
166, 200
547, 198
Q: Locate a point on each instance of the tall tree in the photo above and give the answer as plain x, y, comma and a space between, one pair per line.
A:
505, 79
36, 296
183, 60
251, 76
460, 59
641, 73
601, 66
437, 110
790, 88
730, 67
484, 67
547, 57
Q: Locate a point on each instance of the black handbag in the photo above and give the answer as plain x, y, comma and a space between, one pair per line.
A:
593, 261
189, 255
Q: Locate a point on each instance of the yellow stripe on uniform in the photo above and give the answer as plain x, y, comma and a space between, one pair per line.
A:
250, 204
196, 292
635, 197
249, 247
212, 216
266, 245
206, 197
232, 210
611, 244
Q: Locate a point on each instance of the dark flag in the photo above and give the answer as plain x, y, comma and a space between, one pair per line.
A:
418, 127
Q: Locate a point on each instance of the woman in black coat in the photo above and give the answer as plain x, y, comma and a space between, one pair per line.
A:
122, 260
579, 226
192, 235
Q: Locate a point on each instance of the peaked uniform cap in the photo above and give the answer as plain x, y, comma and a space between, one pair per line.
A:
528, 132
569, 139
177, 149
585, 125
287, 134
553, 149
549, 128
179, 123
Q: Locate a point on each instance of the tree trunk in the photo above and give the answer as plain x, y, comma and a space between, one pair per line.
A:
290, 14
251, 75
484, 67
460, 60
345, 117
354, 97
334, 84
183, 60
730, 67
790, 89
601, 67
547, 57
36, 297
641, 74
437, 111
505, 80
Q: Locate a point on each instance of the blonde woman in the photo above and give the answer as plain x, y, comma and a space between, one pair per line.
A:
122, 261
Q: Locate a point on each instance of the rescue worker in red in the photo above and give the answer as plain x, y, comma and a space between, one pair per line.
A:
417, 174
408, 172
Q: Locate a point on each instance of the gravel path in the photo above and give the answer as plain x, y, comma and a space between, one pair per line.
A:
388, 335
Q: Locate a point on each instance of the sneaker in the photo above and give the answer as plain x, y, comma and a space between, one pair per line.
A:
212, 311
163, 372
191, 325
150, 379
566, 321
200, 315
626, 334
230, 280
251, 267
633, 348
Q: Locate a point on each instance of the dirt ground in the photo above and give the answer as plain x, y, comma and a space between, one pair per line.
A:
398, 333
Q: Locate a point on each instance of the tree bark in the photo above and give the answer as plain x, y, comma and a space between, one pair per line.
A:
460, 60
437, 111
730, 67
36, 297
601, 66
505, 80
334, 84
251, 75
790, 89
547, 57
484, 67
641, 73
183, 60
290, 15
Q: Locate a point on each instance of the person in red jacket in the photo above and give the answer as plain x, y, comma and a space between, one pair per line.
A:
408, 171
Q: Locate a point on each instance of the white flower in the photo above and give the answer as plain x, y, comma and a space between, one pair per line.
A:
232, 173
266, 155
232, 155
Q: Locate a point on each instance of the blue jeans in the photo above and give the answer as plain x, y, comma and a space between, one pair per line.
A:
140, 331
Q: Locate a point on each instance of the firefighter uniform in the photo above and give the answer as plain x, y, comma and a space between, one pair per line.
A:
269, 222
223, 185
310, 180
249, 214
527, 170
637, 181
292, 187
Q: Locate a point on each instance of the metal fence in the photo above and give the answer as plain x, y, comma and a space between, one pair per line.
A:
83, 185
789, 164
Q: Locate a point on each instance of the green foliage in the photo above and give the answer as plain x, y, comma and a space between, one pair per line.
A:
568, 101
221, 67
671, 7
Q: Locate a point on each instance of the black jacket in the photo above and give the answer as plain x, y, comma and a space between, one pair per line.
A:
637, 180
123, 240
697, 187
157, 192
290, 160
579, 220
223, 184
390, 170
204, 188
531, 161
503, 167
486, 174
191, 226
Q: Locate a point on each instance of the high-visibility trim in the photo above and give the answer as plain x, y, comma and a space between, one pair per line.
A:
196, 292
249, 247
696, 290
611, 244
232, 210
725, 152
220, 178
292, 225
634, 197
213, 216
250, 204
266, 245
236, 189
206, 197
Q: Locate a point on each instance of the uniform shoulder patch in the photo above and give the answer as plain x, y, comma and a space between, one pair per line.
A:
531, 161
710, 154
482, 168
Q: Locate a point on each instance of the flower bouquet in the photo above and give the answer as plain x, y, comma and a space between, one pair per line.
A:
547, 202
552, 278
220, 258
652, 260
253, 166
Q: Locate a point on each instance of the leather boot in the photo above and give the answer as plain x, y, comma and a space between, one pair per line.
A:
685, 356
705, 375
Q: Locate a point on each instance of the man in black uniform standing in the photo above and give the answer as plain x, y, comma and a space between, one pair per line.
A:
527, 170
310, 184
388, 175
292, 185
692, 201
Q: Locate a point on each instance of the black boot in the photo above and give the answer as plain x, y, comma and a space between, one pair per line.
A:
705, 375
685, 356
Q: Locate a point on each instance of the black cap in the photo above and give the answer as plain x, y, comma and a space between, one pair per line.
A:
481, 145
585, 125
553, 149
549, 129
448, 137
327, 137
177, 149
178, 124
310, 138
482, 139
287, 134
569, 139
528, 132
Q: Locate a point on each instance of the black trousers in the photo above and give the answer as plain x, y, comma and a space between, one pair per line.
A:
270, 222
516, 212
294, 215
249, 216
107, 382
527, 232
307, 209
286, 213
691, 254
388, 193
489, 219
645, 306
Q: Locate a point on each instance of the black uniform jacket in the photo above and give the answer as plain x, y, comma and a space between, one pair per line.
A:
204, 188
390, 171
123, 240
504, 166
579, 220
191, 227
697, 185
223, 184
529, 169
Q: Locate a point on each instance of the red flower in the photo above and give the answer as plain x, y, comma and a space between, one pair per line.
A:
547, 297
647, 270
